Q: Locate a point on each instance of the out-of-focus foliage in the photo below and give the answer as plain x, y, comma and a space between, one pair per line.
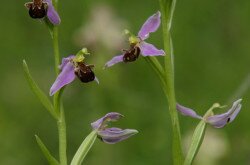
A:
211, 41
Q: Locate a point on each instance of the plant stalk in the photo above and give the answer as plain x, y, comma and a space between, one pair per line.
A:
62, 138
167, 8
61, 124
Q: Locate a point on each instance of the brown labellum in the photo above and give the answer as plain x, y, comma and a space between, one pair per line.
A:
84, 72
37, 8
132, 54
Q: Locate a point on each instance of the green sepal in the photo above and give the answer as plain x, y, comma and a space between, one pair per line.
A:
38, 92
196, 142
46, 153
84, 148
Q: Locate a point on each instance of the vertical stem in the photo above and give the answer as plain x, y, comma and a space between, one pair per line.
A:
62, 138
167, 8
56, 49
61, 124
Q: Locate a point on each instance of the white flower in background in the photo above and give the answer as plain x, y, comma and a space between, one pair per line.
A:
214, 147
102, 28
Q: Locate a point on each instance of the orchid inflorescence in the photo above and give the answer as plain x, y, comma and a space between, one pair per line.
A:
75, 66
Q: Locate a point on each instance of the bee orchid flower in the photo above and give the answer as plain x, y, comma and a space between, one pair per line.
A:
111, 135
217, 121
39, 9
71, 67
137, 43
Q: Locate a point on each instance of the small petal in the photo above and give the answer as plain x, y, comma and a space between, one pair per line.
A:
112, 116
66, 76
115, 135
219, 121
96, 79
65, 61
187, 111
52, 13
150, 50
114, 60
151, 25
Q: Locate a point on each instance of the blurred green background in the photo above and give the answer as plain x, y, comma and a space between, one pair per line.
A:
211, 41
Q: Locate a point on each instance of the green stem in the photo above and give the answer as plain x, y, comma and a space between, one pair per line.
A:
58, 107
56, 49
61, 124
62, 138
167, 9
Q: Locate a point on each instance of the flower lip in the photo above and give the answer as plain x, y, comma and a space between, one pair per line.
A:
84, 72
132, 54
38, 9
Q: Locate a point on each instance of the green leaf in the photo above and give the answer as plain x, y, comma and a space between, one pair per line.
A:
196, 142
38, 92
84, 148
49, 157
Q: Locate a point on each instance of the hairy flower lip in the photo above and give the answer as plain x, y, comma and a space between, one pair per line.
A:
217, 121
146, 49
111, 135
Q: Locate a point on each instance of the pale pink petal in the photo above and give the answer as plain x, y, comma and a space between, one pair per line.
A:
187, 111
52, 13
66, 76
151, 25
150, 50
114, 60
